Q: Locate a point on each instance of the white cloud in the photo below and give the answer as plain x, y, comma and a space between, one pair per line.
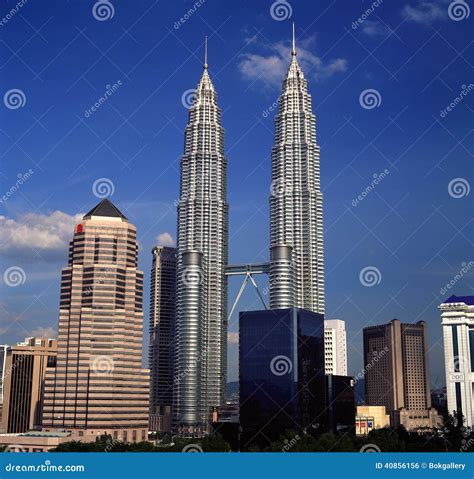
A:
373, 28
165, 239
37, 235
233, 337
47, 332
272, 67
425, 12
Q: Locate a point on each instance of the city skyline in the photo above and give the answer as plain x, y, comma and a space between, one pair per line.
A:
396, 287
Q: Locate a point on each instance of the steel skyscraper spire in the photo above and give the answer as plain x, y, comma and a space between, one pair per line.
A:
296, 201
201, 323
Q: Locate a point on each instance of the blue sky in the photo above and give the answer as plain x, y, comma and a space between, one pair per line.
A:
413, 228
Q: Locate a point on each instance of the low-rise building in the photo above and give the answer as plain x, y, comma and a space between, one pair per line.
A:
369, 418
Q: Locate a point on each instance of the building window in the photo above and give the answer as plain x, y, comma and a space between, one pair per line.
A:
455, 348
458, 397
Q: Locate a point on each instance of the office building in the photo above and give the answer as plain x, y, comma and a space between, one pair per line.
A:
369, 418
296, 201
162, 337
340, 402
201, 321
281, 373
335, 347
457, 316
396, 373
3, 356
99, 385
25, 365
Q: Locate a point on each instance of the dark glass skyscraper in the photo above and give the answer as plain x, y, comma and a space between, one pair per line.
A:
281, 372
162, 338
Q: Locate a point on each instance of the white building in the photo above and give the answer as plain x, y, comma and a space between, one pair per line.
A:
457, 315
335, 347
3, 355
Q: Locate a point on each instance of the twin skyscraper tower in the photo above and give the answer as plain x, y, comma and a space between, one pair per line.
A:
296, 268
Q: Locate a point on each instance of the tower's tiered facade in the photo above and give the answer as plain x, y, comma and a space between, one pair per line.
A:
98, 385
296, 201
201, 323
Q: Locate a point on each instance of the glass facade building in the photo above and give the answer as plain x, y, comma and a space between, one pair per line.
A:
281, 373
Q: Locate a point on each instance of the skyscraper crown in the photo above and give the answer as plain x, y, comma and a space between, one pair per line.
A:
105, 208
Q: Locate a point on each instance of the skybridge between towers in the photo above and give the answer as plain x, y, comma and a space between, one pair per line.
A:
247, 270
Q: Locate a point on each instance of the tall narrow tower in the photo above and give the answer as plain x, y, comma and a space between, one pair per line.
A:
162, 338
201, 322
296, 201
99, 385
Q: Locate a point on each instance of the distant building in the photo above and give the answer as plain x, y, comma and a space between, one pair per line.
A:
34, 441
340, 402
335, 347
281, 358
439, 399
457, 316
369, 418
396, 373
99, 385
3, 356
25, 366
162, 337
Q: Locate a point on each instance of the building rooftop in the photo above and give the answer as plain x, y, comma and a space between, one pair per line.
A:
39, 434
460, 299
105, 208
